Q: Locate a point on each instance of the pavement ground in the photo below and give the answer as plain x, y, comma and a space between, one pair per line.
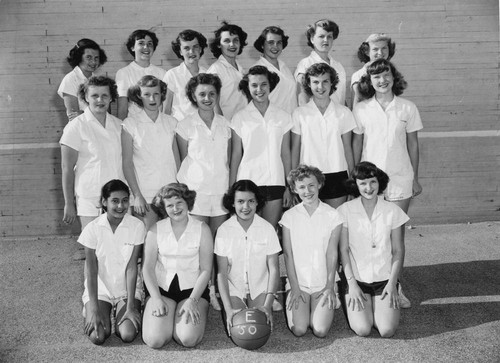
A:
451, 275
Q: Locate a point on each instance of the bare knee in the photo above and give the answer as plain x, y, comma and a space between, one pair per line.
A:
188, 340
320, 332
155, 342
362, 330
126, 332
98, 339
298, 330
387, 332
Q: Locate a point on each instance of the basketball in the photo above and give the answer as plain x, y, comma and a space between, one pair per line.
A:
250, 329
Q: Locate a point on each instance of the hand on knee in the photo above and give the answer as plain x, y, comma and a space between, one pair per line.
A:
98, 337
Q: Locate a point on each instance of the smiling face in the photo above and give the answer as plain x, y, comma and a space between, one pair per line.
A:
205, 96
117, 205
378, 50
245, 205
143, 49
308, 190
273, 46
320, 86
382, 82
368, 188
259, 88
322, 40
190, 51
151, 98
90, 61
98, 98
229, 44
176, 208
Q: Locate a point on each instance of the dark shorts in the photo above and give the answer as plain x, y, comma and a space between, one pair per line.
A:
373, 289
334, 185
176, 294
272, 192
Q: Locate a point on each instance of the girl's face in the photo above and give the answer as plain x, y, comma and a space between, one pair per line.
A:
383, 82
229, 44
259, 88
273, 46
205, 96
368, 188
144, 49
151, 98
117, 204
90, 60
176, 208
191, 51
98, 98
320, 86
378, 50
245, 205
308, 190
322, 40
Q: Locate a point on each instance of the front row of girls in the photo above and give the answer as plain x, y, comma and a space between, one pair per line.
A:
178, 257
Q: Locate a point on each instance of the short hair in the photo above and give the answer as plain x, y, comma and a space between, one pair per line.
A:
134, 92
243, 185
364, 48
272, 77
365, 86
366, 170
318, 69
140, 34
233, 29
304, 171
76, 53
179, 190
326, 24
98, 81
186, 36
114, 185
259, 43
202, 78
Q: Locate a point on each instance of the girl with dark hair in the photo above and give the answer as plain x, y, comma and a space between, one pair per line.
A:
247, 250
372, 252
85, 58
188, 46
113, 244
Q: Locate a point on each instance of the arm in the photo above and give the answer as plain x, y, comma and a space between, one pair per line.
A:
236, 155
69, 157
272, 287
357, 147
131, 312
398, 253
223, 284
167, 105
354, 95
122, 108
140, 204
332, 258
296, 140
348, 152
414, 153
356, 296
303, 98
295, 293
286, 159
72, 106
190, 307
93, 315
183, 147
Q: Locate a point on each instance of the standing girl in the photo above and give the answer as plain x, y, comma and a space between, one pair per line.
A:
247, 250
150, 153
372, 251
261, 142
311, 232
320, 37
90, 151
141, 44
85, 58
321, 135
113, 243
377, 46
178, 256
271, 43
229, 42
188, 46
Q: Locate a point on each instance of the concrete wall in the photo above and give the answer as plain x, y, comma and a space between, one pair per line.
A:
448, 51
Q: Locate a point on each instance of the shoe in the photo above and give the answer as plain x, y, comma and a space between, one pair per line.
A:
277, 305
213, 299
404, 302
